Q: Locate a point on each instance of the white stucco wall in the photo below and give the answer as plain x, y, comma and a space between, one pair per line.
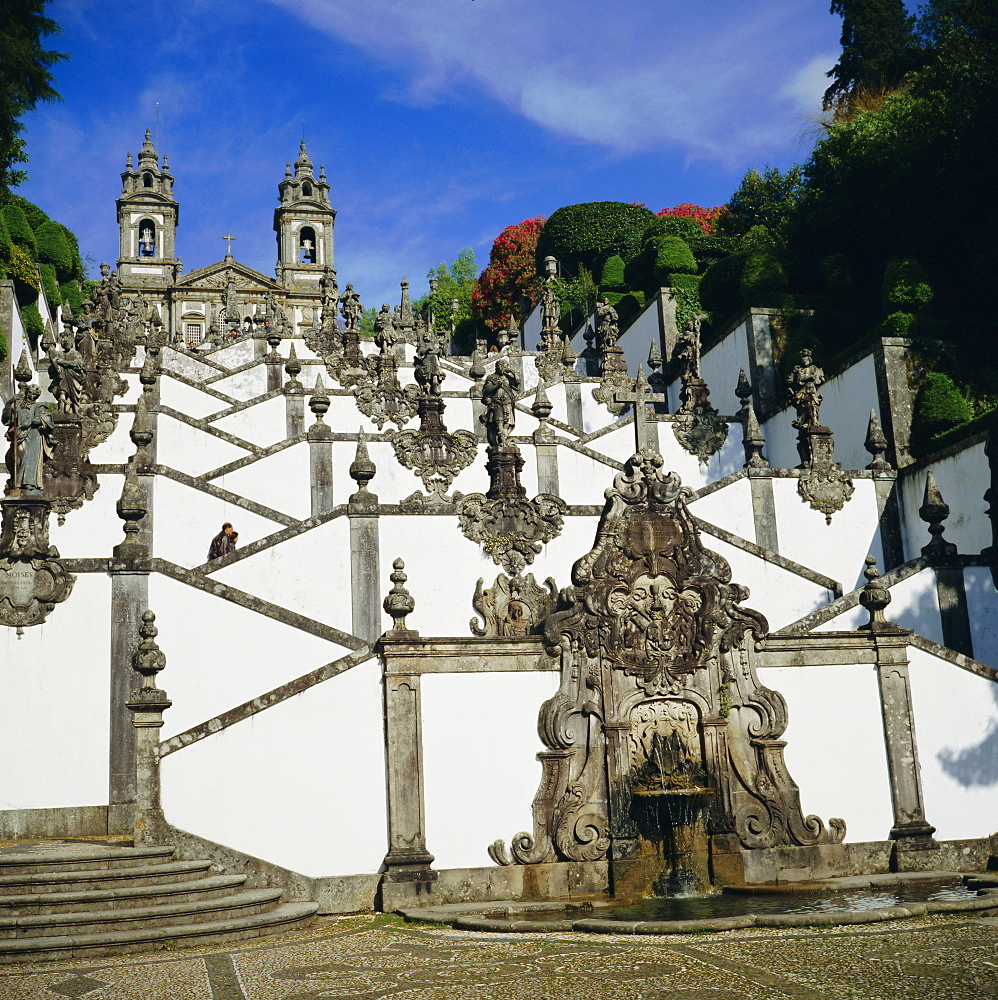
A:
55, 707
730, 507
190, 449
720, 366
982, 607
300, 785
281, 481
841, 777
637, 339
480, 772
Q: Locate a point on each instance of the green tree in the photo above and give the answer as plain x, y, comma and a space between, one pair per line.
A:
765, 199
25, 79
879, 46
589, 233
454, 281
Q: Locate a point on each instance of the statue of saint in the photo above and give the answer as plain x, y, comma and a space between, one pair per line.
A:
803, 383
606, 323
550, 309
499, 399
428, 372
688, 349
29, 430
384, 326
351, 308
68, 373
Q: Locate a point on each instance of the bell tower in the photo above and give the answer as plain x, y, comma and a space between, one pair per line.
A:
147, 220
303, 223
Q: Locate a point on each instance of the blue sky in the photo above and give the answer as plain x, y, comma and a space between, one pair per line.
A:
439, 121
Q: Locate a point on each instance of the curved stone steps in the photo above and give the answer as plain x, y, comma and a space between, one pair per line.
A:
84, 859
134, 918
122, 897
101, 878
286, 917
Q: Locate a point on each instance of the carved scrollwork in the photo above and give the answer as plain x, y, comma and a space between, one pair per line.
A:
435, 456
512, 606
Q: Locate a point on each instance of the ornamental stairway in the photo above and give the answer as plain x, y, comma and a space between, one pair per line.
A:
65, 899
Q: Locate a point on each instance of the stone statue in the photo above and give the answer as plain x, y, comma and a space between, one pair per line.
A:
231, 303
384, 325
803, 383
688, 349
68, 374
550, 309
328, 288
29, 430
351, 308
607, 330
499, 400
428, 372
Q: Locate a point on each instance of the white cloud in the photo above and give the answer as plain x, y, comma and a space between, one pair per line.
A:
711, 79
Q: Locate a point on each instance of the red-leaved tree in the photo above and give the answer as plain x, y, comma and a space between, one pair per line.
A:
510, 276
703, 217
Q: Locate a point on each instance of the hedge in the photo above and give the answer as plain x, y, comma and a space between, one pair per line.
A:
720, 286
672, 225
17, 225
590, 233
33, 325
32, 212
762, 279
5, 245
939, 407
50, 284
673, 256
612, 278
70, 292
54, 249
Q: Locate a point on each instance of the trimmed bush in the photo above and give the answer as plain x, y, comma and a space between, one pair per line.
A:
720, 286
710, 249
906, 286
628, 306
590, 233
612, 278
20, 232
5, 244
22, 269
837, 274
32, 212
78, 272
33, 325
939, 407
689, 283
898, 324
673, 225
54, 249
763, 278
70, 292
50, 286
673, 257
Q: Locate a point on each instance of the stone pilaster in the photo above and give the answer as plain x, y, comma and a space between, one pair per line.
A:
763, 508
623, 833
889, 517
320, 451
573, 402
365, 548
896, 398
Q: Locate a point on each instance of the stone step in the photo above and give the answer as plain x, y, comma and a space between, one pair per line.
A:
120, 897
101, 878
286, 917
133, 918
980, 882
92, 859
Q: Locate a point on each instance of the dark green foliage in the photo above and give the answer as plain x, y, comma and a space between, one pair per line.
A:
627, 304
762, 278
939, 407
720, 286
612, 278
673, 257
898, 324
70, 292
32, 212
686, 291
78, 272
4, 245
50, 285
672, 225
32, 319
765, 199
709, 249
20, 232
879, 47
906, 286
589, 233
454, 281
54, 248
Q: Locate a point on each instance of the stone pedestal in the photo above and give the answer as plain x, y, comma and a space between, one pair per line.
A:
503, 466
149, 824
320, 459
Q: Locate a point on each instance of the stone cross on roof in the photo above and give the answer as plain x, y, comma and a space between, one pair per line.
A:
645, 429
228, 245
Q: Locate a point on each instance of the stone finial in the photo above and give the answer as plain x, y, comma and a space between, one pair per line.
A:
875, 597
654, 357
319, 401
934, 511
148, 659
141, 432
550, 267
150, 369
131, 508
568, 355
362, 469
274, 338
477, 369
876, 444
399, 602
541, 407
22, 373
292, 368
743, 390
753, 439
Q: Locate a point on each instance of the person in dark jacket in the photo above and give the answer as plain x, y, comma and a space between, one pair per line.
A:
223, 543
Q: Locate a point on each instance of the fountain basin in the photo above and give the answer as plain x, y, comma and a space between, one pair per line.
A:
837, 901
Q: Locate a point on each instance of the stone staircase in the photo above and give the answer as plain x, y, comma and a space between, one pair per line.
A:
64, 899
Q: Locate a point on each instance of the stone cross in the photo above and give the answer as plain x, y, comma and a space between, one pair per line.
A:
645, 429
228, 246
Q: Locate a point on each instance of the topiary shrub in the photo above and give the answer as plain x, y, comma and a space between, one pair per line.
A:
5, 245
50, 285
612, 278
32, 320
592, 232
21, 233
939, 407
22, 269
898, 324
70, 292
672, 225
762, 279
906, 286
54, 249
79, 272
32, 212
628, 306
720, 286
673, 257
710, 249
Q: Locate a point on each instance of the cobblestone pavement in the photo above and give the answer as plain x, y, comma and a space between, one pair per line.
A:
369, 958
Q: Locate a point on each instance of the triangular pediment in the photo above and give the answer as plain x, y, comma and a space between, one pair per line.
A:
217, 276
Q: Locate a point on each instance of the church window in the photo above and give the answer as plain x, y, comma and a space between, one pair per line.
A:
147, 180
306, 245
306, 190
193, 333
147, 238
